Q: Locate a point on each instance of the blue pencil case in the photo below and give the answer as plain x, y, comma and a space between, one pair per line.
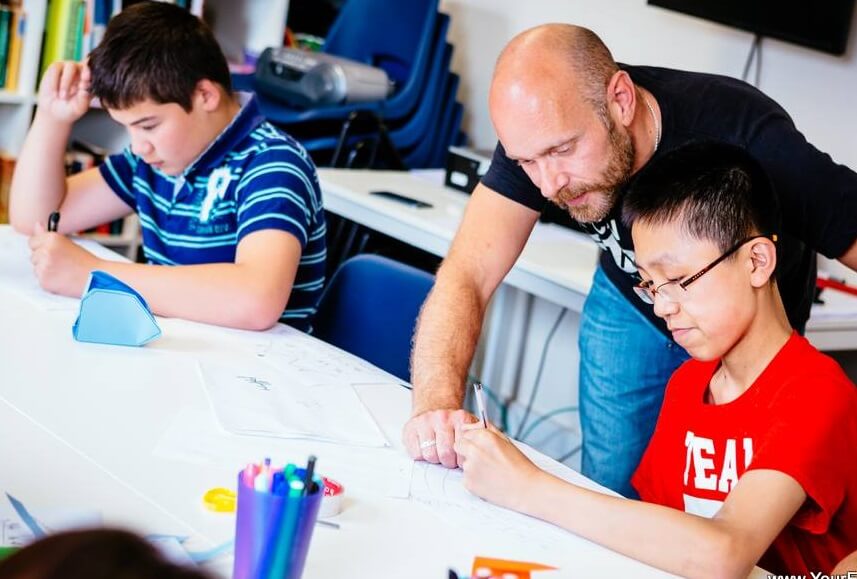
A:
111, 312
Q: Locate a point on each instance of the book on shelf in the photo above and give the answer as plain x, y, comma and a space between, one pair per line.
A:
17, 28
74, 27
82, 157
5, 25
7, 167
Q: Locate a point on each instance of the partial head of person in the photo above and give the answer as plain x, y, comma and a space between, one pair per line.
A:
160, 72
575, 122
93, 554
705, 219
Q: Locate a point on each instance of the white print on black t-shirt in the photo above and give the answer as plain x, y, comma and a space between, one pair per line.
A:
710, 475
606, 235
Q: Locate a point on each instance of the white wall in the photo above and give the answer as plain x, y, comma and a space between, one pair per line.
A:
817, 89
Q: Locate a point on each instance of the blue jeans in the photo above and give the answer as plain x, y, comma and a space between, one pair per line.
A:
625, 363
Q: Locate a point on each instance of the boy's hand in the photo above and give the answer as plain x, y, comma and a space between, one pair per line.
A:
64, 92
494, 468
61, 266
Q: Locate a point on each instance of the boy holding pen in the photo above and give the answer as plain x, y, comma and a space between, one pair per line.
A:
752, 460
230, 207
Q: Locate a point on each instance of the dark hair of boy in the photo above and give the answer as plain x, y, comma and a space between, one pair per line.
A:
93, 554
718, 192
155, 51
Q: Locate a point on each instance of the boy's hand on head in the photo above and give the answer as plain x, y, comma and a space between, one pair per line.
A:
494, 468
64, 92
61, 266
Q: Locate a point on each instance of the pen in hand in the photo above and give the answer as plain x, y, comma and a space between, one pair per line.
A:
53, 221
480, 403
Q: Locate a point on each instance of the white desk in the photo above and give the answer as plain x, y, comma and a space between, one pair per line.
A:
85, 426
557, 264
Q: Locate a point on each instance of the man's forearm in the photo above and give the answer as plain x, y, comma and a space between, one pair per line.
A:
38, 185
446, 338
219, 293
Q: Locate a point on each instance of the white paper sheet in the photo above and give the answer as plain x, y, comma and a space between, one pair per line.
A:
443, 490
194, 437
14, 533
17, 271
255, 398
320, 363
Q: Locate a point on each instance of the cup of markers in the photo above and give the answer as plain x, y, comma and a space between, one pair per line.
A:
277, 511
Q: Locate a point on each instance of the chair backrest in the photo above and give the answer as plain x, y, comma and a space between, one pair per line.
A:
384, 33
370, 309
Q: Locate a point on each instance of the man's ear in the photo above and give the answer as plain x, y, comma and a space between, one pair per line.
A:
763, 259
207, 95
622, 97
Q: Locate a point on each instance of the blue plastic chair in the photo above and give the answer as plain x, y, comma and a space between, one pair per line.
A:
421, 155
370, 309
395, 35
413, 128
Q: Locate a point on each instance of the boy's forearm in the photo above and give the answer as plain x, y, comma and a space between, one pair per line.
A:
221, 293
666, 538
39, 181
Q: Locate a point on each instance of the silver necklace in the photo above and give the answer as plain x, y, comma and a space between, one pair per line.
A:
657, 124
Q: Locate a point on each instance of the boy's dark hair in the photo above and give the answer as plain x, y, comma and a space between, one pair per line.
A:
157, 51
718, 192
93, 554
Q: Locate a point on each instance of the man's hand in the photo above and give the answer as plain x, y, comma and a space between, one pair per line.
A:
61, 266
430, 435
64, 92
494, 468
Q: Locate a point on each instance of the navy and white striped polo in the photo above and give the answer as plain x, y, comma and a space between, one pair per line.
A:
252, 177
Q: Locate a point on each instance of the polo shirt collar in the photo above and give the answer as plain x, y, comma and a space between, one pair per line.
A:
248, 118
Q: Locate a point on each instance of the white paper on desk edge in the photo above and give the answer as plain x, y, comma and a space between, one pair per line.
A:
254, 398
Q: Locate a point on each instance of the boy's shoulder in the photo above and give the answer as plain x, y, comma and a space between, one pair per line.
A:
797, 370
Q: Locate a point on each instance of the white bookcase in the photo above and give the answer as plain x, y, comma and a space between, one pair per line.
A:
239, 25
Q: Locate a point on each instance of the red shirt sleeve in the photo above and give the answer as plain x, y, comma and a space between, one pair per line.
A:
817, 449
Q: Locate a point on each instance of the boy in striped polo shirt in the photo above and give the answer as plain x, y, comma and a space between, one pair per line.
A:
230, 207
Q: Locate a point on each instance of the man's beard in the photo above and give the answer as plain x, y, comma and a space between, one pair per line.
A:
605, 192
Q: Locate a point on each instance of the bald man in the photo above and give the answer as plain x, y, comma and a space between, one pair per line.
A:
573, 128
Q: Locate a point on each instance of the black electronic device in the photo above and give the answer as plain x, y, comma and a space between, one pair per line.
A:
820, 24
410, 201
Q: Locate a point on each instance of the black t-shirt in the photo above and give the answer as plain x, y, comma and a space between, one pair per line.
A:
818, 197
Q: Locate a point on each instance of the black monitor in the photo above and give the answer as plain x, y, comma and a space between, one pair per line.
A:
819, 24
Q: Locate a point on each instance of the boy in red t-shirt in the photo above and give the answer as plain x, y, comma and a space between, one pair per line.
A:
753, 457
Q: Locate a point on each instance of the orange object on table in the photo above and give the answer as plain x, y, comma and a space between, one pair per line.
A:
505, 568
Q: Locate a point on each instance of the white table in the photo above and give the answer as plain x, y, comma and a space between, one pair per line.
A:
86, 426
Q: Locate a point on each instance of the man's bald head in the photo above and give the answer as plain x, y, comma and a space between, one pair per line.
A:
555, 59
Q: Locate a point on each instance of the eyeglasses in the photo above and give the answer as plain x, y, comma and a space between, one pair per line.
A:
673, 291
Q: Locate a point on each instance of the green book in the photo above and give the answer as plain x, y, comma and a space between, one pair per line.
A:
57, 26
5, 22
6, 551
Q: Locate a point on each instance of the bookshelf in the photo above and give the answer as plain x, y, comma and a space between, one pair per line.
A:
243, 28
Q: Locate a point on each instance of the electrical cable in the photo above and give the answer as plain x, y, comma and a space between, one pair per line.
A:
541, 419
755, 54
539, 373
570, 453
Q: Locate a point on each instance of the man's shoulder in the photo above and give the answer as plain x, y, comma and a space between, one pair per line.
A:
708, 89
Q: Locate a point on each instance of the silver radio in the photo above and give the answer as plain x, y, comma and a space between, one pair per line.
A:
310, 79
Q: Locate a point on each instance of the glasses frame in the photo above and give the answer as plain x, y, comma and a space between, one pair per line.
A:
647, 293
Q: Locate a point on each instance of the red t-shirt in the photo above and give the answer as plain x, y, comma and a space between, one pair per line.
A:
799, 418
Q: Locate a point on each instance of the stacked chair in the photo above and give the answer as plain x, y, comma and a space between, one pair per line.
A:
415, 125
